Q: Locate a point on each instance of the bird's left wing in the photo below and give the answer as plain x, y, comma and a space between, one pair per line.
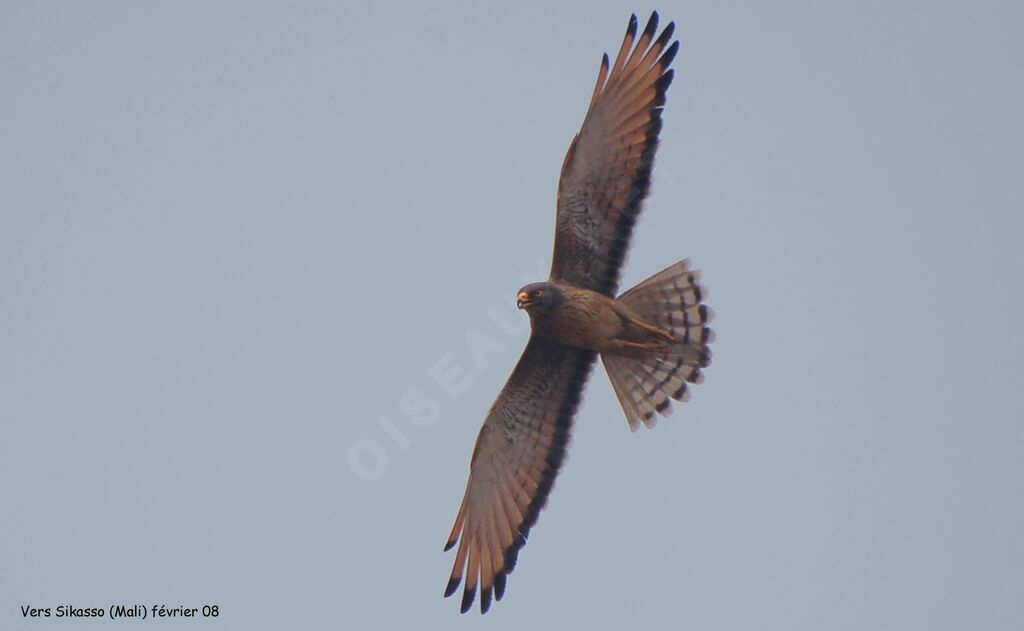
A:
518, 454
607, 170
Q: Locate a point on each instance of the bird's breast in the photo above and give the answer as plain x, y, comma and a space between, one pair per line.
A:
584, 319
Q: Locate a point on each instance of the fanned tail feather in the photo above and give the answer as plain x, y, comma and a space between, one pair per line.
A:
671, 300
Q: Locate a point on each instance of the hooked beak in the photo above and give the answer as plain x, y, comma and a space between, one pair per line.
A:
523, 301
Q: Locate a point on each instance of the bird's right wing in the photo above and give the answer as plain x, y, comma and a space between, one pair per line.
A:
518, 454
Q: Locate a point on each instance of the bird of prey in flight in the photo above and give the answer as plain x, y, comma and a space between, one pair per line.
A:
653, 339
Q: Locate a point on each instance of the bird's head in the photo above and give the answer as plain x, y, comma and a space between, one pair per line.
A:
538, 297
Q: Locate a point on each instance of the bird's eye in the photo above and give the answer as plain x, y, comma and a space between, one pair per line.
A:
540, 292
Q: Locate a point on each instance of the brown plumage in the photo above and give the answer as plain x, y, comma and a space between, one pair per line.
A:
653, 339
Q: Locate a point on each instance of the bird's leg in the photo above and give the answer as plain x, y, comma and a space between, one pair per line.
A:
659, 347
662, 333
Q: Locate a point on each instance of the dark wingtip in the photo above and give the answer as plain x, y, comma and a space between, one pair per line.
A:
669, 54
631, 29
453, 584
451, 544
652, 25
467, 599
499, 585
661, 85
670, 28
485, 599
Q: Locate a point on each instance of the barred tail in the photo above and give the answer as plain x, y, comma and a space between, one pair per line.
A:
670, 300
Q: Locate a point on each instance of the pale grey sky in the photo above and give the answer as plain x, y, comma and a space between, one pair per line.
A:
235, 238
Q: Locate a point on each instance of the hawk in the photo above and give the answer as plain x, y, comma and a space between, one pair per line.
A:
653, 339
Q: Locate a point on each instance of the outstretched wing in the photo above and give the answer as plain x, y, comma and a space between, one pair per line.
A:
607, 171
518, 453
